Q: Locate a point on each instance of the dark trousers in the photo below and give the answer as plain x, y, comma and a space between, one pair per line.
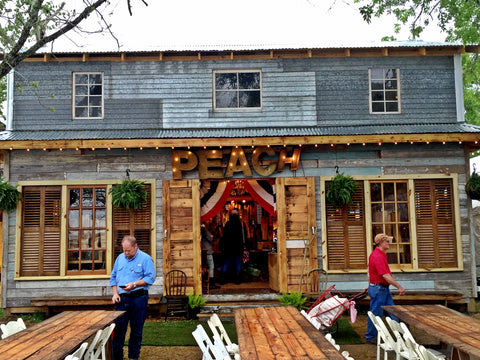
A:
135, 312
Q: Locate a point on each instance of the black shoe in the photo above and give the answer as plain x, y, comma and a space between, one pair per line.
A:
213, 286
373, 342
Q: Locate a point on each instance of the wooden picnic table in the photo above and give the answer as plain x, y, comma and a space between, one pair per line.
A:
451, 327
56, 337
280, 332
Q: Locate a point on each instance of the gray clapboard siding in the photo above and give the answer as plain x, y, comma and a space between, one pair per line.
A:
179, 94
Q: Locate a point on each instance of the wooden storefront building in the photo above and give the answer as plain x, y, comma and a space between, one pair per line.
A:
260, 130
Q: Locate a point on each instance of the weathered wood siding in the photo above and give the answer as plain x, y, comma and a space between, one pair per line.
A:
359, 160
295, 92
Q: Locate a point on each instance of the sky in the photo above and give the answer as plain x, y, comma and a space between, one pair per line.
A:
191, 24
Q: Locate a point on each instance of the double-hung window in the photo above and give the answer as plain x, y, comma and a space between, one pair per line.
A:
88, 95
384, 90
237, 89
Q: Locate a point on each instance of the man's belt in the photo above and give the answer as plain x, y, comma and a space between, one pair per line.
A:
384, 285
136, 293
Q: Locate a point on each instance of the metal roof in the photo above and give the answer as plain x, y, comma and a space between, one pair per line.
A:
51, 135
252, 47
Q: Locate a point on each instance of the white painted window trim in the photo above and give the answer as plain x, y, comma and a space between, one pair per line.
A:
236, 71
370, 100
88, 107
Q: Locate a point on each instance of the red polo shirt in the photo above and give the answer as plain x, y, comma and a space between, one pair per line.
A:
377, 266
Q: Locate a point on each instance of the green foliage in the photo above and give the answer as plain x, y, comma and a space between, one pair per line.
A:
454, 17
457, 19
472, 187
130, 194
196, 301
341, 189
9, 196
294, 298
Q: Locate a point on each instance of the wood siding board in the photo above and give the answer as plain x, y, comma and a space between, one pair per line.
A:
299, 90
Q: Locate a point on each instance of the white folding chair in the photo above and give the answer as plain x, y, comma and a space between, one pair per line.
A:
78, 354
313, 320
384, 339
402, 349
218, 329
433, 353
331, 340
209, 350
96, 350
12, 327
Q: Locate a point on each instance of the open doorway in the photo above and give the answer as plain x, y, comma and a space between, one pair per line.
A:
254, 201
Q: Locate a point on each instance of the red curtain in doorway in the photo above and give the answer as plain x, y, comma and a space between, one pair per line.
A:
263, 192
214, 194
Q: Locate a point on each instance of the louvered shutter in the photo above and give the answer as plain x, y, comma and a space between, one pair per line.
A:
346, 242
40, 243
434, 211
136, 223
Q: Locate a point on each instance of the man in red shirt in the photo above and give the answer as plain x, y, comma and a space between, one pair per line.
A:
380, 278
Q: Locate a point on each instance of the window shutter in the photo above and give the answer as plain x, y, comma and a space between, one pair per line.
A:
436, 240
40, 243
346, 242
136, 223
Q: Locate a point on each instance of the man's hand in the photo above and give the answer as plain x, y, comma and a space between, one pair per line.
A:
116, 298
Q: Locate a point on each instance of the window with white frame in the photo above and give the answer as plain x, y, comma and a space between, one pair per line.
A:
384, 90
88, 95
237, 89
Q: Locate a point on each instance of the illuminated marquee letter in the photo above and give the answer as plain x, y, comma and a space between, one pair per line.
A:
238, 162
257, 161
293, 160
182, 160
209, 160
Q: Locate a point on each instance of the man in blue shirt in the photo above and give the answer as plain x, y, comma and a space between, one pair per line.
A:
132, 275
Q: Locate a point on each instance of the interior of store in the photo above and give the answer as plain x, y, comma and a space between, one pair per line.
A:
254, 200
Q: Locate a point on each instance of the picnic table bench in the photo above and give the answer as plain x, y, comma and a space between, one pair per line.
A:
451, 327
54, 304
57, 336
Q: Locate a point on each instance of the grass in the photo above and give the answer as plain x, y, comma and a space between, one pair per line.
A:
179, 333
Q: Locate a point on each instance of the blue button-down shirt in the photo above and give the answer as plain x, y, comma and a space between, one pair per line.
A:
128, 270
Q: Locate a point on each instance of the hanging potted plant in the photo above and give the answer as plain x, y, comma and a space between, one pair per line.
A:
9, 196
472, 187
130, 194
341, 190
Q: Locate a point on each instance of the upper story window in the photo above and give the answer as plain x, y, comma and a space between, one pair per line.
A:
88, 95
384, 90
237, 89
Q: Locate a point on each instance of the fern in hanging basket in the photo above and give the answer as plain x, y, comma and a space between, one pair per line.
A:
472, 187
9, 196
130, 194
341, 190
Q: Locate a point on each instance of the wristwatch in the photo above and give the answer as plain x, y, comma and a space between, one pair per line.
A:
134, 285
